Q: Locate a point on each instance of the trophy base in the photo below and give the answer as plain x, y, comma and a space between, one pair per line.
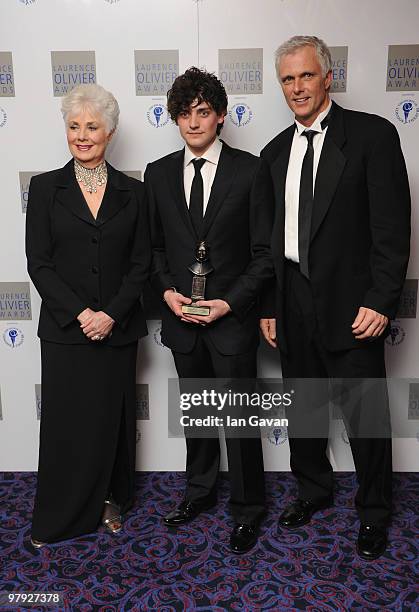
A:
196, 310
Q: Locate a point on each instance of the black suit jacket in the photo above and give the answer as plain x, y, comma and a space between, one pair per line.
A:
76, 262
360, 230
237, 228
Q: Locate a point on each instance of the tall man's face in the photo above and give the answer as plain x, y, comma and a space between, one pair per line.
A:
305, 89
198, 126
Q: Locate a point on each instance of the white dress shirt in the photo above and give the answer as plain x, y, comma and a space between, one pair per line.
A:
208, 170
292, 185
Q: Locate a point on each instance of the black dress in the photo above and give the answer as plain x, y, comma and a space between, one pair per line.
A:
87, 439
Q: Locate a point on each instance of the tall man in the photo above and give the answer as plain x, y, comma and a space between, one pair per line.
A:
340, 244
211, 192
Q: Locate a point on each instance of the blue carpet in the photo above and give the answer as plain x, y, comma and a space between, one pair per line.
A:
148, 567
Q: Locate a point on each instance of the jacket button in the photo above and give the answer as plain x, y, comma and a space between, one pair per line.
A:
94, 240
95, 270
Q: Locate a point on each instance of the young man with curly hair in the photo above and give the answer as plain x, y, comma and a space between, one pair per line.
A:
209, 192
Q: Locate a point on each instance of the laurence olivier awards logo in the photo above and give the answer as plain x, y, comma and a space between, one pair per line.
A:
157, 115
27, 2
24, 180
3, 117
403, 68
13, 337
240, 114
15, 302
7, 81
407, 111
71, 68
396, 335
143, 404
241, 70
38, 401
339, 69
278, 435
155, 71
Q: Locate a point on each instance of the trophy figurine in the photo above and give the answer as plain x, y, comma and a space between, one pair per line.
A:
200, 269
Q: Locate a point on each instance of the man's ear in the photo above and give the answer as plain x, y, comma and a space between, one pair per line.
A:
222, 116
328, 80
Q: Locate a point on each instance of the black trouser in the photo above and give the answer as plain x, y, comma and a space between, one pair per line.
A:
245, 459
307, 358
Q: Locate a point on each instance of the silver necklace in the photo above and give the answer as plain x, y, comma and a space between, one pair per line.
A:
92, 178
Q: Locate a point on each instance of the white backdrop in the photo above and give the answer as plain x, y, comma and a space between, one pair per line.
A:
32, 140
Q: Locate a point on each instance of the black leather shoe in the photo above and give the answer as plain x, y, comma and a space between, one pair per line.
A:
372, 542
300, 512
186, 512
243, 537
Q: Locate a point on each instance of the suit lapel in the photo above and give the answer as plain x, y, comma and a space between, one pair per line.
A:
116, 196
178, 189
279, 169
224, 176
331, 164
70, 196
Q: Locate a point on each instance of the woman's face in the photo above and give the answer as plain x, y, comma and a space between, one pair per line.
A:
87, 138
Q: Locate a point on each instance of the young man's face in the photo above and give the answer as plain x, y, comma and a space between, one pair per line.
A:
198, 126
305, 89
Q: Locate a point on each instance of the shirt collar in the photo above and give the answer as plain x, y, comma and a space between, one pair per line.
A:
212, 154
316, 125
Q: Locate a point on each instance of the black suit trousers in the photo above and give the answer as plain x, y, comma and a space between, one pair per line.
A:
307, 358
245, 459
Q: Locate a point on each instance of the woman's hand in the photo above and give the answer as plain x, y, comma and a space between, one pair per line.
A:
97, 325
85, 315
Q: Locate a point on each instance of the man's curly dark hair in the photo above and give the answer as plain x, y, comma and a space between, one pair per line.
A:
199, 85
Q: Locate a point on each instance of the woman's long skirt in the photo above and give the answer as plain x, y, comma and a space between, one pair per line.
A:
87, 437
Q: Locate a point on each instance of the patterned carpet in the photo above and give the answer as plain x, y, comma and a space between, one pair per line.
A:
149, 568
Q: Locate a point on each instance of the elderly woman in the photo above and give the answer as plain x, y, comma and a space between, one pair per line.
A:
88, 254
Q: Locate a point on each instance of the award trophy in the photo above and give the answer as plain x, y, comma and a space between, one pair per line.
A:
200, 269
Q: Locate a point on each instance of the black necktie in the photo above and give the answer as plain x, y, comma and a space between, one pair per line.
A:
305, 207
196, 200
305, 203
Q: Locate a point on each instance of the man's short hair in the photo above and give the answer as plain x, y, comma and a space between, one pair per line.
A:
297, 42
196, 86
